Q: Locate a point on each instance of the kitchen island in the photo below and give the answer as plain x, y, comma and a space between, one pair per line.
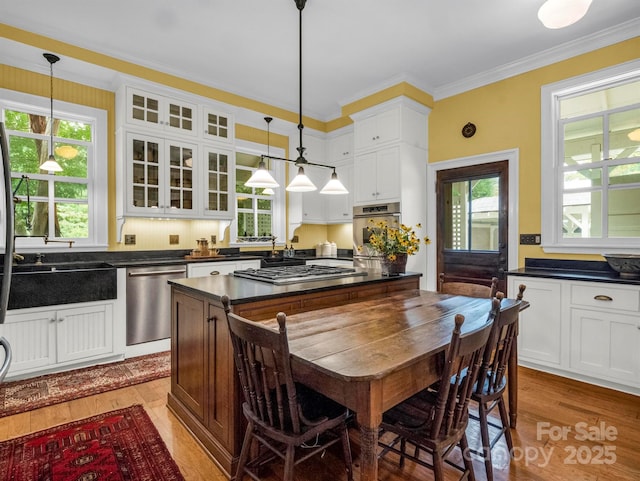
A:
205, 393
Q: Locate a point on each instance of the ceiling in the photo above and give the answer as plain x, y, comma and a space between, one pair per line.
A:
350, 48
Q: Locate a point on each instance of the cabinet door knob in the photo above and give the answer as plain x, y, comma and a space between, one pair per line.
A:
61, 319
601, 297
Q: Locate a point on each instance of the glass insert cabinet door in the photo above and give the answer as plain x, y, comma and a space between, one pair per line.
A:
161, 174
162, 113
217, 181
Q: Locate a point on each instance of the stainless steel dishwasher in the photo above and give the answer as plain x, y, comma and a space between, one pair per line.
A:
149, 301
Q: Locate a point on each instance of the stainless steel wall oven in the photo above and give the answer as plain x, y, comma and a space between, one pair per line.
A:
363, 254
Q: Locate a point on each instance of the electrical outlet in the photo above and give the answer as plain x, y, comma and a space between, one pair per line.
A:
295, 239
174, 239
129, 239
214, 239
530, 239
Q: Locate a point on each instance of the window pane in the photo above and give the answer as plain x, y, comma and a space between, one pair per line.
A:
583, 178
624, 212
244, 203
264, 224
264, 204
73, 220
74, 130
484, 214
601, 100
245, 224
26, 154
583, 141
68, 190
581, 215
623, 128
624, 174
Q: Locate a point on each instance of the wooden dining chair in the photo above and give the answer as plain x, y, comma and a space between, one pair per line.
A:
471, 289
432, 421
492, 380
288, 420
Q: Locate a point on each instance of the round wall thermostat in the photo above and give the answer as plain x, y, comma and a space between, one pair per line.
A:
468, 130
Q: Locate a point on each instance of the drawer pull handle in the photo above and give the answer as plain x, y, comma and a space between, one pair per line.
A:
601, 297
212, 318
214, 273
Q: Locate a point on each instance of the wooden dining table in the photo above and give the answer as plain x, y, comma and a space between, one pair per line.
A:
371, 355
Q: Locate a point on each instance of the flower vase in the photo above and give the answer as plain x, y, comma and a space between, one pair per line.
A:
395, 267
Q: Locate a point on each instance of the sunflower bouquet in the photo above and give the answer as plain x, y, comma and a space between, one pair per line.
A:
391, 240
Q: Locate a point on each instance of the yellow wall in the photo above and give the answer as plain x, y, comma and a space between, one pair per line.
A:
507, 116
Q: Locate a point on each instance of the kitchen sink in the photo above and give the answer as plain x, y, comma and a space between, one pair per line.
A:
36, 285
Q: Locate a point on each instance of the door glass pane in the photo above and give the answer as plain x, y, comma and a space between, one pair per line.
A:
472, 214
624, 212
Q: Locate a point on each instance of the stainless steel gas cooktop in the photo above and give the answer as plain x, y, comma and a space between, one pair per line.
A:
292, 274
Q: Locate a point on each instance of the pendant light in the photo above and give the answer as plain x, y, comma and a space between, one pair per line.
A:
50, 164
300, 183
261, 177
562, 13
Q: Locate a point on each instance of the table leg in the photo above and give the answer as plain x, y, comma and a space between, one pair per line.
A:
369, 417
513, 384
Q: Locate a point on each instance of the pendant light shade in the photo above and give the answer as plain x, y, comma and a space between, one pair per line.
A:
268, 191
301, 183
50, 164
634, 135
334, 186
261, 177
562, 13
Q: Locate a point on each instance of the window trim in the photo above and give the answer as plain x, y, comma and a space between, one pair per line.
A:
97, 170
279, 202
550, 161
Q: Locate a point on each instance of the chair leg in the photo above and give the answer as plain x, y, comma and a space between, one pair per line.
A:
504, 418
289, 463
244, 452
346, 451
486, 442
438, 466
466, 457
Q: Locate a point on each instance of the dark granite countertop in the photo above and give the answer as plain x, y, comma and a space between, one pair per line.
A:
592, 271
242, 290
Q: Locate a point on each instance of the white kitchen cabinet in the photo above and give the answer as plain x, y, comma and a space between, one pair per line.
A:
605, 331
218, 125
53, 337
588, 331
313, 203
218, 177
377, 176
375, 130
341, 148
203, 269
540, 330
149, 110
339, 208
160, 176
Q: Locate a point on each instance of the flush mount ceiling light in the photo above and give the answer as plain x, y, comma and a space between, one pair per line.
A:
562, 13
50, 164
300, 183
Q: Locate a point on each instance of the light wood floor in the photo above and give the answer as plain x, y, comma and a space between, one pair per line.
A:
558, 402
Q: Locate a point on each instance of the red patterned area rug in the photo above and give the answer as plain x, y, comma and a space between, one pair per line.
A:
121, 445
37, 392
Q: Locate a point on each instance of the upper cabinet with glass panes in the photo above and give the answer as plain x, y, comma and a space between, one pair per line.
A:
159, 112
218, 126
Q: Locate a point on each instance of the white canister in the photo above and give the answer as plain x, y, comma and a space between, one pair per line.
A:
319, 250
334, 249
326, 249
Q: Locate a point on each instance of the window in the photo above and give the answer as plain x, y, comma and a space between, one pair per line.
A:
591, 162
67, 206
259, 216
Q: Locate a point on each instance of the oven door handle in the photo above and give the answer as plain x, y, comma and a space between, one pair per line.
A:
156, 273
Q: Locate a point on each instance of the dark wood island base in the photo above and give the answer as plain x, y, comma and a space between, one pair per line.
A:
205, 394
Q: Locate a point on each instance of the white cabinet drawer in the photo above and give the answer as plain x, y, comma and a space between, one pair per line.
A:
606, 297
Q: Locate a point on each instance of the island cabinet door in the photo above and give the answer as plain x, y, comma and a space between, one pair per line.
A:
188, 353
221, 407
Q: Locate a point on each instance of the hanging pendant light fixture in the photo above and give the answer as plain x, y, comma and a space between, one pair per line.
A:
562, 13
50, 164
302, 183
261, 177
